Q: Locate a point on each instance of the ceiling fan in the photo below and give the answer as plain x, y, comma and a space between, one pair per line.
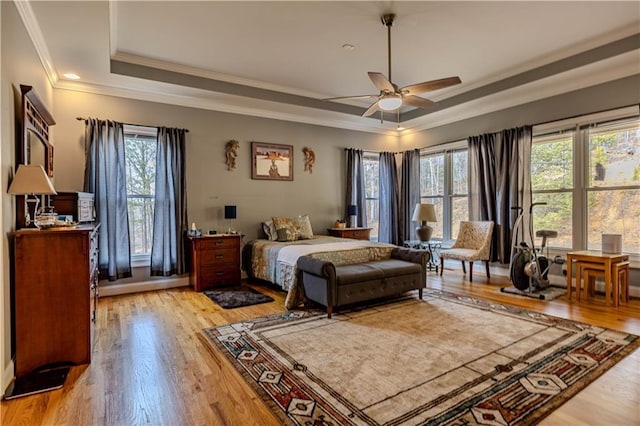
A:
392, 97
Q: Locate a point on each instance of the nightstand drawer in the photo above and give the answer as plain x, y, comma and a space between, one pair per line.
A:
223, 255
211, 243
220, 275
354, 233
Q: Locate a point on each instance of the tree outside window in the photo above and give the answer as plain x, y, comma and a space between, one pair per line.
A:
140, 153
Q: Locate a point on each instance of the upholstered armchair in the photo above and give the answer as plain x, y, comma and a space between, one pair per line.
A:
473, 243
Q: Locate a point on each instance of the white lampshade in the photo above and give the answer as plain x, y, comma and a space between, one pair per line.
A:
390, 102
424, 213
31, 180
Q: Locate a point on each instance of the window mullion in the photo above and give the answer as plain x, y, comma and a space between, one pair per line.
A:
580, 178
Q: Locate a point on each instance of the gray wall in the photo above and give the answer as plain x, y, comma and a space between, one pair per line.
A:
611, 95
20, 65
210, 186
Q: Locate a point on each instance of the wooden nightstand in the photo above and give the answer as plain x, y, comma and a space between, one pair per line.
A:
354, 233
215, 261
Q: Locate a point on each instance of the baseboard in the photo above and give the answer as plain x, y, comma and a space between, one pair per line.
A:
555, 278
7, 376
161, 284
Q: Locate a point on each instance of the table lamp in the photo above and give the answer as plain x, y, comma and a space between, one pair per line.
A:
424, 213
31, 180
230, 212
352, 210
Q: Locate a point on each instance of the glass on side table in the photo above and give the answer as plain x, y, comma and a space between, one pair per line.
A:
433, 247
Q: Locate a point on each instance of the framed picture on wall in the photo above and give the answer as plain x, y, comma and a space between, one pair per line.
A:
270, 161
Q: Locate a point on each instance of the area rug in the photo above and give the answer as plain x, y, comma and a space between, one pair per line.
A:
236, 297
548, 293
447, 359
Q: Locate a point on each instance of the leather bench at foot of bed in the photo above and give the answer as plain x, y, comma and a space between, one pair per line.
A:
335, 286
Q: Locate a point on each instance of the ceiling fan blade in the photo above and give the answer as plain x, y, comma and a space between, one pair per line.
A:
372, 109
381, 82
428, 86
351, 97
417, 101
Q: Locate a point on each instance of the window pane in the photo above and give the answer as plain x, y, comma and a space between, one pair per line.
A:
552, 164
459, 212
371, 177
555, 216
614, 212
432, 175
140, 224
459, 173
614, 156
371, 165
140, 155
373, 216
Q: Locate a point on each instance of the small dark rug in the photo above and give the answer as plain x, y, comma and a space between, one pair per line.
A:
236, 297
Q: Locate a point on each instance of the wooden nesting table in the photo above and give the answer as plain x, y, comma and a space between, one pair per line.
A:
592, 256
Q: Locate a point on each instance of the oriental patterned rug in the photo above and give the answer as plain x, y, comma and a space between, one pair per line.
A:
445, 360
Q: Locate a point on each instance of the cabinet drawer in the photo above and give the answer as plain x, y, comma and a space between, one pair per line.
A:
223, 255
220, 274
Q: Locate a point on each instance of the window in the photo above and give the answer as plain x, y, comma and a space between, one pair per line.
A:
552, 183
444, 183
372, 192
140, 155
613, 185
590, 179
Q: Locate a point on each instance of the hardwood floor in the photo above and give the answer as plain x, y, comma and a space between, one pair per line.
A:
150, 367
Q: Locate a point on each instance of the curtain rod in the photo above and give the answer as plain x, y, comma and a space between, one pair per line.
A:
128, 124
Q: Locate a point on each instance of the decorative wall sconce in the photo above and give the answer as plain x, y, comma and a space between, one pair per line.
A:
309, 159
231, 152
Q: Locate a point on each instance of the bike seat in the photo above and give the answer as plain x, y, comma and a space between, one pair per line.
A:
546, 233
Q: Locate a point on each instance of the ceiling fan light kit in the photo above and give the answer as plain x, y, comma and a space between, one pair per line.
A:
390, 102
392, 97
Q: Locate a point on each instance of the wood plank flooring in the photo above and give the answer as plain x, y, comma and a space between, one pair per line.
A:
150, 367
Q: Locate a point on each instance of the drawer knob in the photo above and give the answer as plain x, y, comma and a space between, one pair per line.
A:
219, 256
219, 273
219, 243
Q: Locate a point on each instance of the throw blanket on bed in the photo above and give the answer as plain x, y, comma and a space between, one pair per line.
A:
276, 262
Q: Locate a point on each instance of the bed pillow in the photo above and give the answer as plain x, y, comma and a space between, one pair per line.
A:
269, 230
304, 227
286, 229
286, 234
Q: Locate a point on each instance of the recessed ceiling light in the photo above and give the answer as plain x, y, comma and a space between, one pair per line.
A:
348, 47
71, 76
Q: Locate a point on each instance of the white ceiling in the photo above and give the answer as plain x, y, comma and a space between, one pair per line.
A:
278, 59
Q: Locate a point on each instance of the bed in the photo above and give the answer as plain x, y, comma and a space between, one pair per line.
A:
276, 261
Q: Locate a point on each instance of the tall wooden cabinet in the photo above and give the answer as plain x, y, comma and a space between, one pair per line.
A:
55, 290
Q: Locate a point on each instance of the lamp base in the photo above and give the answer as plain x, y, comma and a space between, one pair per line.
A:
353, 221
424, 232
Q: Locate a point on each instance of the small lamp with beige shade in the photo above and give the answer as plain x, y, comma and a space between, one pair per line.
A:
31, 180
424, 213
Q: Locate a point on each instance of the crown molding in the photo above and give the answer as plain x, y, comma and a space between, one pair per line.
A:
239, 105
596, 73
33, 29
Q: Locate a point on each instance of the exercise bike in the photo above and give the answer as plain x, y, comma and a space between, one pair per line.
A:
528, 266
